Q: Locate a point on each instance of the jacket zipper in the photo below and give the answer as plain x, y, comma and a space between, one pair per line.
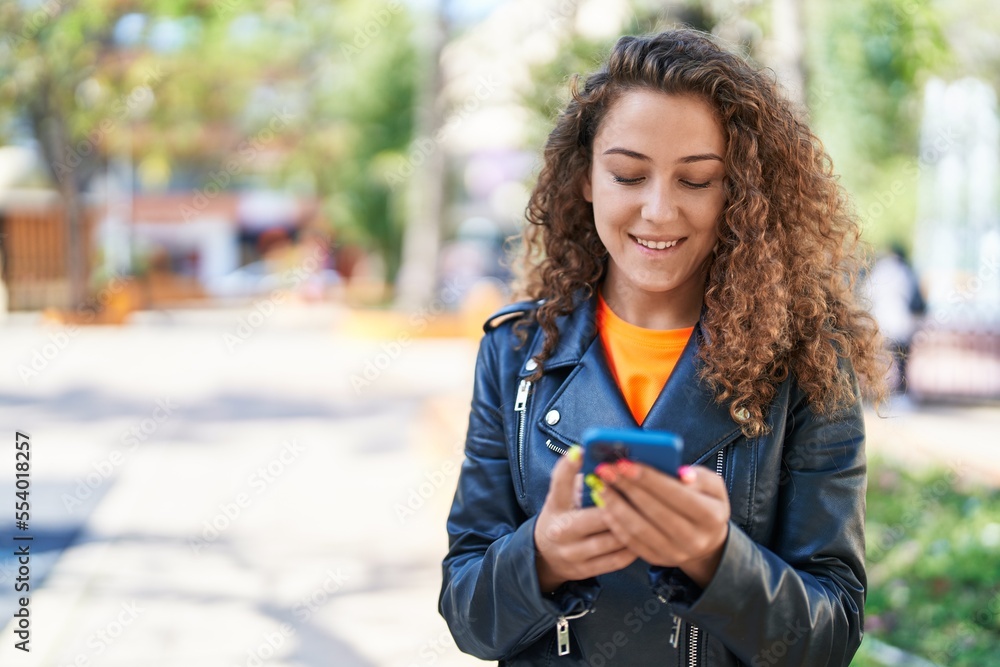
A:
693, 646
561, 451
693, 631
521, 407
562, 631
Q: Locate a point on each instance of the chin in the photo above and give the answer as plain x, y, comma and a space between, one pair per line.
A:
657, 288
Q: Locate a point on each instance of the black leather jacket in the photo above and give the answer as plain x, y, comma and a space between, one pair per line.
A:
790, 588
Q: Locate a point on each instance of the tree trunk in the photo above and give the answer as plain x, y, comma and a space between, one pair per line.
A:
78, 245
417, 277
789, 38
66, 169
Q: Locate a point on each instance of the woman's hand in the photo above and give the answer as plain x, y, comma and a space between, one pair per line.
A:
666, 521
573, 543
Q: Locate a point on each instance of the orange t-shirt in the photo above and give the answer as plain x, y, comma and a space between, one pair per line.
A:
640, 359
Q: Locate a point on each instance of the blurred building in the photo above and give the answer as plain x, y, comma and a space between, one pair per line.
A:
956, 352
180, 245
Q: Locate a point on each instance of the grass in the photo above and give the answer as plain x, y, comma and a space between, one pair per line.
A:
933, 567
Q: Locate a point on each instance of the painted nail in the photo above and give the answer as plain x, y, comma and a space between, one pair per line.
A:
597, 498
594, 482
575, 453
606, 472
627, 469
687, 474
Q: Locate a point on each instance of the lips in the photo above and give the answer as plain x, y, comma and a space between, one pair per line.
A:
657, 244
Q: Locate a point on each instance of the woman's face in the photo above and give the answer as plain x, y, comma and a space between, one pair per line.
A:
657, 185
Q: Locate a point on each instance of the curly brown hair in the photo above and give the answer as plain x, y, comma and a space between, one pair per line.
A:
779, 297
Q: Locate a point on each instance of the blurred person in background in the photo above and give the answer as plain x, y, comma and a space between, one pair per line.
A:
687, 265
897, 303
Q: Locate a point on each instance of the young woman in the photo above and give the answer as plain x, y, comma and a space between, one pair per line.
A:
689, 269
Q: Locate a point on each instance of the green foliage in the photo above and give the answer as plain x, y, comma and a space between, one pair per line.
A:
314, 96
550, 83
360, 123
933, 565
869, 60
896, 44
576, 56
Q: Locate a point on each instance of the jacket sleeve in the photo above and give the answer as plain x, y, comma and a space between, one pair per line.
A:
800, 602
490, 595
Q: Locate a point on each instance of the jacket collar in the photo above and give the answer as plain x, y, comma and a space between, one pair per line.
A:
590, 396
577, 331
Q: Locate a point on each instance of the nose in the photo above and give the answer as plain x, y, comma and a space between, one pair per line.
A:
660, 203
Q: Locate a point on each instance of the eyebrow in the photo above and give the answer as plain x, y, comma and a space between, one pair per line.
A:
688, 159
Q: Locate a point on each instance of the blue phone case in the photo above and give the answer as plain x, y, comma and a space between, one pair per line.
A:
658, 449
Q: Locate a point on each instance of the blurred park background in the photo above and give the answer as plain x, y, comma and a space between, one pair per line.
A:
247, 247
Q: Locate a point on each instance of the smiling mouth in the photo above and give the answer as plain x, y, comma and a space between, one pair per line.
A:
656, 245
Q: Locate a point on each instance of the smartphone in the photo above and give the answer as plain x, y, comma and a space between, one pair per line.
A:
657, 449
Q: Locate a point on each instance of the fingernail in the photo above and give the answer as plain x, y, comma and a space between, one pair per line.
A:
627, 469
575, 453
606, 472
597, 498
686, 473
594, 482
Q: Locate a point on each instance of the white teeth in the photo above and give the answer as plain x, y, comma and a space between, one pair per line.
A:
656, 245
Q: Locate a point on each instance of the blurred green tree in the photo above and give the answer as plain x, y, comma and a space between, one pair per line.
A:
328, 87
871, 59
359, 117
49, 51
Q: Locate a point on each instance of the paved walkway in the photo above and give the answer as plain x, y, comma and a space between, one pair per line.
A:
965, 439
278, 500
230, 507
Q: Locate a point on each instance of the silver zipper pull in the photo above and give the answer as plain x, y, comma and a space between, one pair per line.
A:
675, 632
522, 395
562, 634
